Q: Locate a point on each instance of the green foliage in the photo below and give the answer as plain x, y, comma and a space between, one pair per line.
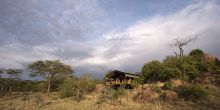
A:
156, 89
1, 71
77, 88
137, 82
213, 67
168, 85
151, 71
110, 94
14, 72
198, 58
171, 62
193, 92
170, 73
191, 71
15, 85
196, 53
67, 89
50, 70
183, 67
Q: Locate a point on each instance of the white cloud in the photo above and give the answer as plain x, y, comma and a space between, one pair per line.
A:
125, 50
149, 39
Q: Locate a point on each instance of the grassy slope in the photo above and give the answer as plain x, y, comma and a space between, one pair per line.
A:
39, 101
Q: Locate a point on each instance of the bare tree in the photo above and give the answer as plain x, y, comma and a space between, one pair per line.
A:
180, 43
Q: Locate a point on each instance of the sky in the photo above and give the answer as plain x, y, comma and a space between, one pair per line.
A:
94, 36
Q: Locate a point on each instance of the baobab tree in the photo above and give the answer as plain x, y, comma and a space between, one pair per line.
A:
180, 43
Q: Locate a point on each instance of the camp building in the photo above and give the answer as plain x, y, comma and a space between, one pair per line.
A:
120, 79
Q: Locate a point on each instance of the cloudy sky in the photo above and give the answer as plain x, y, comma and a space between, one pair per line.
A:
94, 36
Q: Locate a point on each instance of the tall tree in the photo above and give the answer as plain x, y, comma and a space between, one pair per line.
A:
49, 70
180, 43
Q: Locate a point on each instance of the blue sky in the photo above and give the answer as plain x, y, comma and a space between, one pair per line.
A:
94, 36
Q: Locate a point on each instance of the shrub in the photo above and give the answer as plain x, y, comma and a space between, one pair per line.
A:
110, 94
151, 71
170, 73
193, 92
66, 89
191, 71
168, 85
77, 88
136, 82
213, 67
197, 53
156, 89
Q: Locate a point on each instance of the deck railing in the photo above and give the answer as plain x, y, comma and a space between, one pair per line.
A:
118, 82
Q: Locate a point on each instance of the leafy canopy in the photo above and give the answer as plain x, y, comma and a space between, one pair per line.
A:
49, 69
151, 71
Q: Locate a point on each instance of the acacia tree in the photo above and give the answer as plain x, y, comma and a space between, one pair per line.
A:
49, 70
180, 43
14, 73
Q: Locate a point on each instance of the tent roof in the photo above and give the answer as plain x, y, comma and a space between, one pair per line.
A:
118, 74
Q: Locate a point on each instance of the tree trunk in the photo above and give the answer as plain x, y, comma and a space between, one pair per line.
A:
175, 54
78, 95
10, 88
181, 51
48, 87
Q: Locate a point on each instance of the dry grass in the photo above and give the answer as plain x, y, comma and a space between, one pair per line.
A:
39, 101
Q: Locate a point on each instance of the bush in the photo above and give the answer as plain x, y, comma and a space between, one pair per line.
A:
168, 85
110, 94
170, 73
77, 88
197, 53
136, 82
156, 89
213, 67
67, 90
151, 71
193, 92
191, 71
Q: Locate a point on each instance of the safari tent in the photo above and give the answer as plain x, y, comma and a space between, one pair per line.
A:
120, 79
